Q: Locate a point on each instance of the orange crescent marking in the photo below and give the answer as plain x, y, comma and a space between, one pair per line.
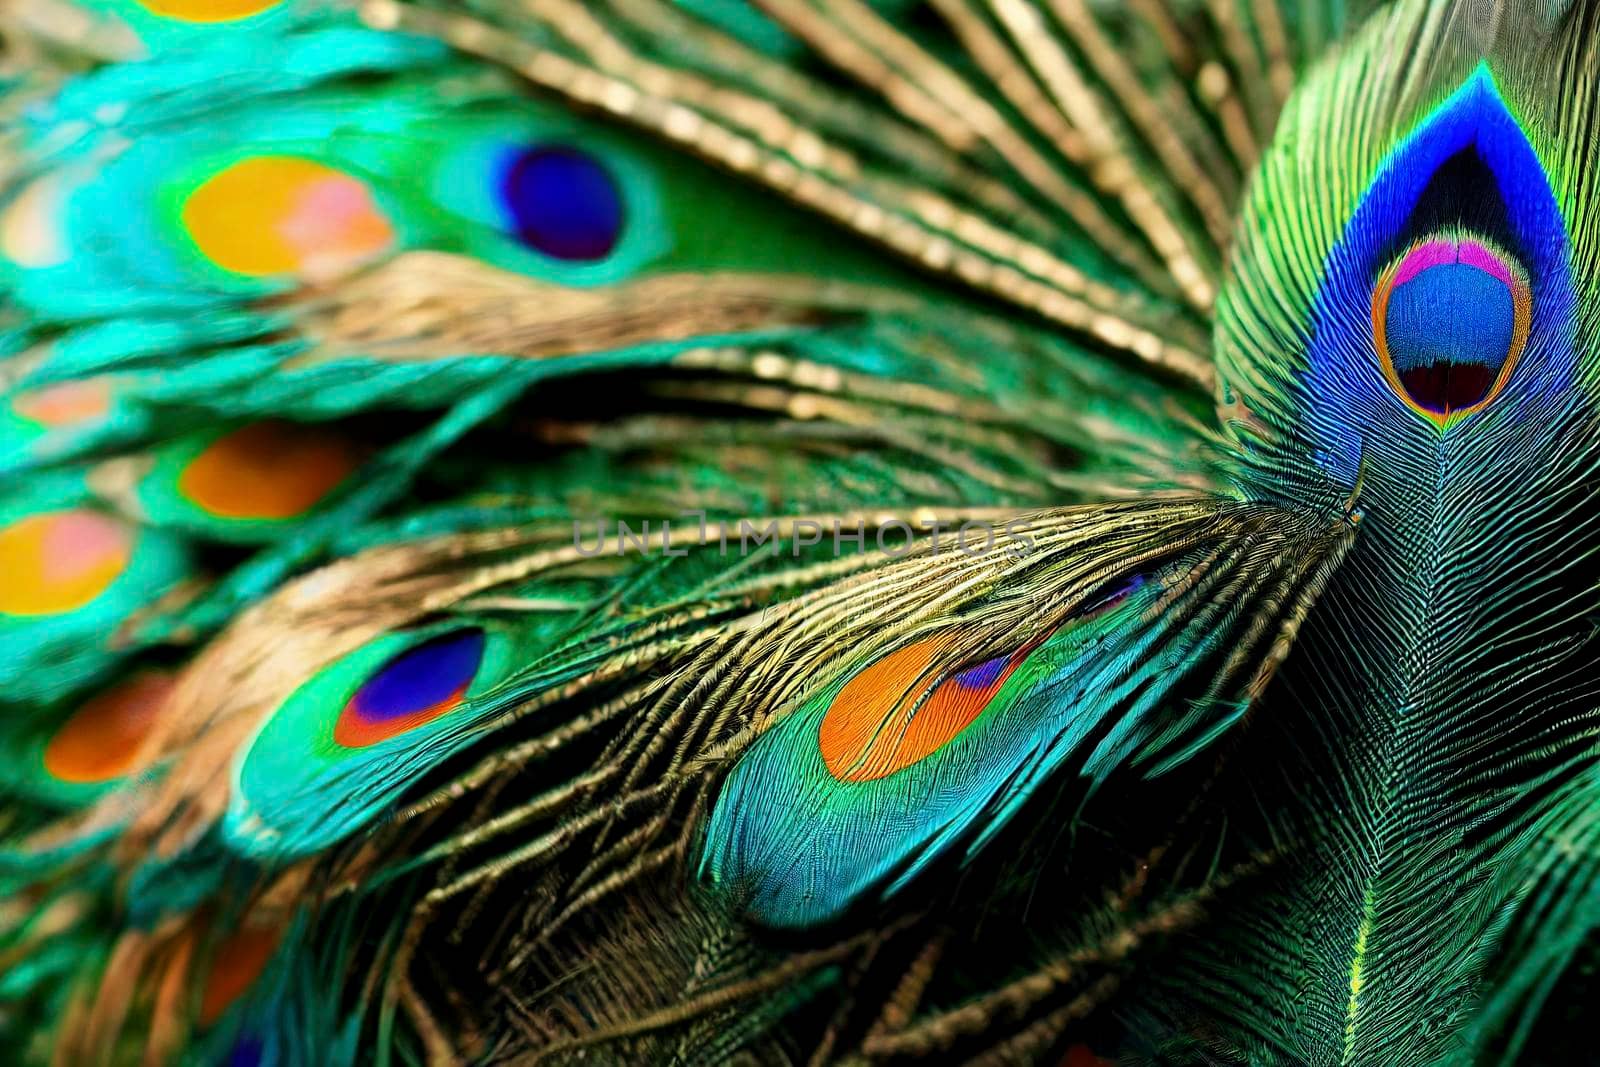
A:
350, 732
876, 724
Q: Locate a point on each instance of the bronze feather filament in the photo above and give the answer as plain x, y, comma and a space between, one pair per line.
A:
799, 532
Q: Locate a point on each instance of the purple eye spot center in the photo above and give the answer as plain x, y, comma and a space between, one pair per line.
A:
983, 675
564, 202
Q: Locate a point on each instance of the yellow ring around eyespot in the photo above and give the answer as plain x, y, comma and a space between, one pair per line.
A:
207, 10
1521, 320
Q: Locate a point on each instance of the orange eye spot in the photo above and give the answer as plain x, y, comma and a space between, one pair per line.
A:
207, 10
66, 404
238, 962
885, 719
103, 738
59, 561
267, 470
274, 215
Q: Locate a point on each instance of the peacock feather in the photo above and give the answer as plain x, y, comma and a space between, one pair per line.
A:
799, 532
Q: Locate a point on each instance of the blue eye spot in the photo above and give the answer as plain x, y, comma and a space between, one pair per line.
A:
412, 690
564, 203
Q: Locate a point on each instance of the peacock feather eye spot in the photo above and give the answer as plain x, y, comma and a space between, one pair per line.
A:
412, 689
208, 10
235, 966
282, 215
564, 203
65, 403
887, 718
103, 738
1450, 317
59, 561
269, 470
